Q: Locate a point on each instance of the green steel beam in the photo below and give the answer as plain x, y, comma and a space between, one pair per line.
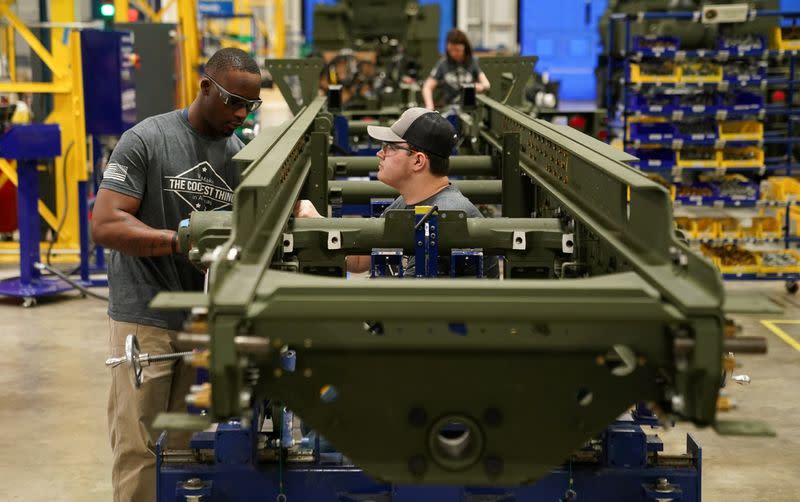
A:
360, 192
460, 165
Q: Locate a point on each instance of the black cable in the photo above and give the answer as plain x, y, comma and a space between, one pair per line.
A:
64, 277
66, 205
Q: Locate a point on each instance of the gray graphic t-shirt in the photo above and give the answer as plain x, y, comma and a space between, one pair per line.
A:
451, 76
448, 199
173, 170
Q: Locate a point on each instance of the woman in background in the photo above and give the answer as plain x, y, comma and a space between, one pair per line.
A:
457, 68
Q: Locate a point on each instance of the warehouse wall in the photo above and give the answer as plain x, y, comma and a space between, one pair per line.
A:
489, 25
566, 40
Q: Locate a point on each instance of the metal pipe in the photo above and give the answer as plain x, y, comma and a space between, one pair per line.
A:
361, 235
360, 192
460, 165
244, 344
360, 126
737, 345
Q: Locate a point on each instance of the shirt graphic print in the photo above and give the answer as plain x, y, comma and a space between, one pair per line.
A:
201, 188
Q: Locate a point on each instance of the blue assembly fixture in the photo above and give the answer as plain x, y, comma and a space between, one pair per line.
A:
426, 246
243, 461
29, 144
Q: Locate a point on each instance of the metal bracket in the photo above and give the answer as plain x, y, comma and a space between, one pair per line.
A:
568, 243
307, 72
334, 239
520, 69
288, 243
518, 241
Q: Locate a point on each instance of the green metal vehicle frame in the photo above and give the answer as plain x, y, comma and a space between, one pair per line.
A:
601, 305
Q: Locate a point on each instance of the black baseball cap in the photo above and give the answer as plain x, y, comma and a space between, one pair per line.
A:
422, 129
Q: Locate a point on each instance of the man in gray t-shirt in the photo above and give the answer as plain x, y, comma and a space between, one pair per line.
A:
448, 198
414, 160
160, 171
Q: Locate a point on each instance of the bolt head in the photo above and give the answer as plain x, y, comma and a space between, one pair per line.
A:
678, 403
194, 483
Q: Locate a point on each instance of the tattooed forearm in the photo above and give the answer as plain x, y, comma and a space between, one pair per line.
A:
157, 243
131, 236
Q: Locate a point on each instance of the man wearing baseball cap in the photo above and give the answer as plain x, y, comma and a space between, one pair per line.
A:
414, 160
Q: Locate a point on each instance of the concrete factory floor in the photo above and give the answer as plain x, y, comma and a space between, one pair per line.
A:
53, 391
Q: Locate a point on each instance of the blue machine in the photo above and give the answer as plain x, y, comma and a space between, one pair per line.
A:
108, 81
29, 144
240, 462
110, 104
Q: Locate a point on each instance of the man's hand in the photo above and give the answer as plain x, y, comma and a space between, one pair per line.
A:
305, 209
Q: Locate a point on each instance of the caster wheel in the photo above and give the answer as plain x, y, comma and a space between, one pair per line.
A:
792, 287
28, 302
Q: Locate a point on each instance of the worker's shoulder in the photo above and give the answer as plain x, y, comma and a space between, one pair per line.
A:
156, 125
451, 199
441, 63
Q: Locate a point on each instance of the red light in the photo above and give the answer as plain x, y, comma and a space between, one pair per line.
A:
778, 96
577, 122
602, 135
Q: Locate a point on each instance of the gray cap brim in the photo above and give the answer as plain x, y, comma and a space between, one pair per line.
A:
383, 134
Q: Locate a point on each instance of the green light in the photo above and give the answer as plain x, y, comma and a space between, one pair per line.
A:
107, 10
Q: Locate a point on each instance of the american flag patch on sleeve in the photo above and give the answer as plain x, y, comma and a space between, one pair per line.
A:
115, 172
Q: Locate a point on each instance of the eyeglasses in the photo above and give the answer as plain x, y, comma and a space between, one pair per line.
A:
387, 148
235, 101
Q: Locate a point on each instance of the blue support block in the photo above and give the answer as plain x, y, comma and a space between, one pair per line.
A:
386, 262
466, 262
234, 444
625, 446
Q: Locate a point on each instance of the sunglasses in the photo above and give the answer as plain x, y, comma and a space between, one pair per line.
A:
393, 147
235, 101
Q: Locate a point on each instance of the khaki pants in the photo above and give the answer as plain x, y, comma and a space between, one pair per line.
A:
131, 411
